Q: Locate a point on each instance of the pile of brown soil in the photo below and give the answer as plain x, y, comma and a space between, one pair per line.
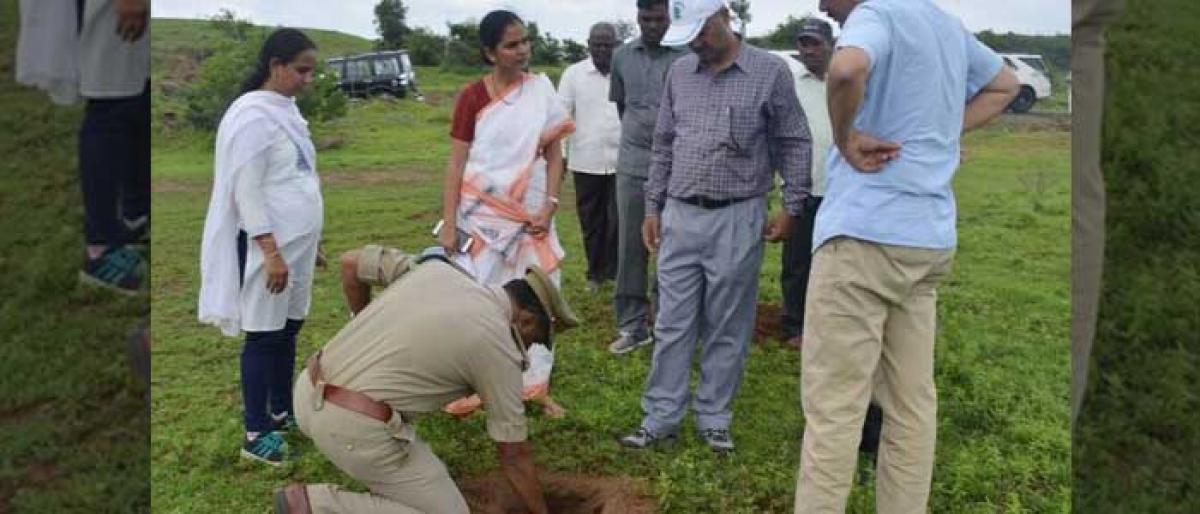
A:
768, 325
564, 494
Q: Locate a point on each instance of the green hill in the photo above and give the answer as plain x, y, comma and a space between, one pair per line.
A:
178, 46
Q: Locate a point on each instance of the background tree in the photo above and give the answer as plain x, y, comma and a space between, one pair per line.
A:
232, 27
546, 50
220, 78
742, 9
462, 46
426, 48
390, 24
782, 37
626, 30
573, 52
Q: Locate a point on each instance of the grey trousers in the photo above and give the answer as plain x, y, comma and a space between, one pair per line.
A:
630, 301
708, 265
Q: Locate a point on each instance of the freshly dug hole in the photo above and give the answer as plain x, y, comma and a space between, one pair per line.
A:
564, 494
768, 324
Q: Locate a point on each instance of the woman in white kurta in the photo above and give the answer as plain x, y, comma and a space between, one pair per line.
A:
261, 235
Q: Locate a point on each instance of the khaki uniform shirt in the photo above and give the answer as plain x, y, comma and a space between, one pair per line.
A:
432, 337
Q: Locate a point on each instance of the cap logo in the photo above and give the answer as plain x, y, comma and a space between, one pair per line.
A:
677, 11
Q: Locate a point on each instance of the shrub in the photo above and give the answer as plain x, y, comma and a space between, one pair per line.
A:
221, 76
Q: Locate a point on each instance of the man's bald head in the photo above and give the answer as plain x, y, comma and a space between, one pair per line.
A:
602, 39
603, 28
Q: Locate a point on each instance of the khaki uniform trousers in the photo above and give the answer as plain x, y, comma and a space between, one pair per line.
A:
401, 471
870, 319
1087, 183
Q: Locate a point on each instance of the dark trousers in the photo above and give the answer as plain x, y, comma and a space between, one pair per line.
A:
797, 261
268, 361
596, 202
114, 166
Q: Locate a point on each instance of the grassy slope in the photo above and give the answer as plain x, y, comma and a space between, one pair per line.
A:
73, 430
1002, 363
179, 37
1138, 429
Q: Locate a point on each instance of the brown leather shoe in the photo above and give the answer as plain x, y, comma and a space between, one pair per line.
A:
795, 342
292, 499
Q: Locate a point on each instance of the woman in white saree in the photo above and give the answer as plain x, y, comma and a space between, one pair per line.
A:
503, 180
506, 163
261, 235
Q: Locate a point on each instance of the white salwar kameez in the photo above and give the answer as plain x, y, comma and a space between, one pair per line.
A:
262, 134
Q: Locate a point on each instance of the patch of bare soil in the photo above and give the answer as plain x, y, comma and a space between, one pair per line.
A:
370, 177
768, 324
564, 494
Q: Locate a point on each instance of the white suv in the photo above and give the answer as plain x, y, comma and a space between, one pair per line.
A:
1035, 81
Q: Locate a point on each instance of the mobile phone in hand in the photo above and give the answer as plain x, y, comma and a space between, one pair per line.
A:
464, 241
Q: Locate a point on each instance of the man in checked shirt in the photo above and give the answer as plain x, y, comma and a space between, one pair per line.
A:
728, 117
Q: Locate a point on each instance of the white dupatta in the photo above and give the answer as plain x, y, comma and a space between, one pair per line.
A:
505, 180
48, 49
243, 134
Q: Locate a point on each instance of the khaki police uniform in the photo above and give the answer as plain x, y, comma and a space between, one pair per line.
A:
380, 265
428, 339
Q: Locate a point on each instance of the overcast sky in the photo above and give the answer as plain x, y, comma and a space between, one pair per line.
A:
571, 18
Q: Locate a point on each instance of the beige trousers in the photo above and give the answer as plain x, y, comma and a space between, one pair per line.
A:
869, 326
401, 471
1087, 184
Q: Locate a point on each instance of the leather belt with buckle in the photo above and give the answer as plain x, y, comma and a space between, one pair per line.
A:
346, 398
705, 202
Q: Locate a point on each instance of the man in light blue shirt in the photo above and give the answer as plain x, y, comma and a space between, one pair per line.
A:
906, 81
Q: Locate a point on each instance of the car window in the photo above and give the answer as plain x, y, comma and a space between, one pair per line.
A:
387, 66
358, 70
406, 61
1036, 64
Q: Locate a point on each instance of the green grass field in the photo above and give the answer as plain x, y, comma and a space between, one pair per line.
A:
1137, 430
1002, 362
73, 426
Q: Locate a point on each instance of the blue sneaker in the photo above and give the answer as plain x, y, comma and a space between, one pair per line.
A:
285, 424
267, 448
118, 268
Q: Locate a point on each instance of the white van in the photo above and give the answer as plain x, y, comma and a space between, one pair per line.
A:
1035, 81
1029, 69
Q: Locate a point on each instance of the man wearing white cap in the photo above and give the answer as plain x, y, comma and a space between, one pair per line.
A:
905, 82
728, 117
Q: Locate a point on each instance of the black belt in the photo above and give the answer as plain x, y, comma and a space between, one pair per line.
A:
705, 202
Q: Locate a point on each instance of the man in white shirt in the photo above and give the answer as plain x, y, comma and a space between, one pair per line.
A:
592, 152
815, 43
